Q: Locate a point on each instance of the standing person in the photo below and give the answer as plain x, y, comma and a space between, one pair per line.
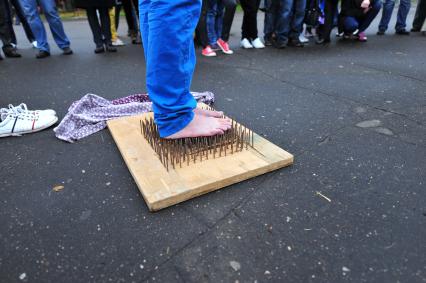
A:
6, 32
356, 16
404, 8
170, 67
101, 31
131, 18
51, 13
290, 23
249, 36
420, 16
19, 14
214, 20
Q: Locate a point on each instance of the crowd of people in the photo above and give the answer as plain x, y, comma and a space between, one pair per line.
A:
286, 22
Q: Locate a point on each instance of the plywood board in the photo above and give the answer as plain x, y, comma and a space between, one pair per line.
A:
161, 188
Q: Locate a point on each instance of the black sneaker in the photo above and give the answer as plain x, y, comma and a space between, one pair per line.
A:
415, 30
111, 48
11, 52
67, 51
295, 43
268, 41
381, 32
99, 49
42, 54
280, 44
402, 32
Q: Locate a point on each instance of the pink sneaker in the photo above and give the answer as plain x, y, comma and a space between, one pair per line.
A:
208, 52
362, 37
224, 46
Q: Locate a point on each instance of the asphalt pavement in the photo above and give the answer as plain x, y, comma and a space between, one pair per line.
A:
352, 208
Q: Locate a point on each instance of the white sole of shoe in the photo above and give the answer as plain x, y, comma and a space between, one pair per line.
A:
29, 132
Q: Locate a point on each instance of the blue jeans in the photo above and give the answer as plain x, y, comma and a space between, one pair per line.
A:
351, 24
290, 23
214, 20
404, 8
52, 17
272, 10
167, 33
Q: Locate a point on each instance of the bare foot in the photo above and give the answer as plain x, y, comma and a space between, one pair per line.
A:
203, 126
209, 113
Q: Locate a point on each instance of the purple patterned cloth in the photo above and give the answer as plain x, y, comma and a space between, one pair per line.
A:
89, 114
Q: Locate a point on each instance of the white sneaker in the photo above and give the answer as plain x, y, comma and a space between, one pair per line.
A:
303, 39
257, 43
245, 43
34, 44
22, 109
118, 42
14, 123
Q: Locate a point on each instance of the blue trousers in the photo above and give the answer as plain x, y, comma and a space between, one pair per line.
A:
350, 24
167, 28
388, 5
52, 17
214, 20
290, 23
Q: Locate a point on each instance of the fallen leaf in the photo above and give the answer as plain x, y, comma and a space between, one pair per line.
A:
58, 188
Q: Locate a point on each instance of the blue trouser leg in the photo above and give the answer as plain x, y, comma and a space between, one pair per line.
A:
404, 8
55, 23
30, 9
386, 14
283, 23
365, 22
167, 32
219, 18
350, 24
211, 18
299, 7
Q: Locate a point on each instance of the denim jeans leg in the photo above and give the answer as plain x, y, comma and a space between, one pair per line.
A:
30, 9
350, 24
283, 23
55, 23
404, 8
299, 7
386, 14
219, 18
211, 21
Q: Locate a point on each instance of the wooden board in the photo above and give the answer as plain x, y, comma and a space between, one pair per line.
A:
161, 188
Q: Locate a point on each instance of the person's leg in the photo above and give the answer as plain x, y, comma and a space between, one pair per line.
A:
169, 72
297, 19
20, 14
420, 16
330, 10
219, 18
386, 14
30, 10
249, 27
92, 17
9, 20
5, 34
404, 8
105, 25
365, 22
202, 25
245, 5
113, 29
268, 27
350, 24
228, 18
283, 23
55, 23
211, 21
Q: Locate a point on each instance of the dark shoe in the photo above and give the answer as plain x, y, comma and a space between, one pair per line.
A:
111, 48
42, 54
402, 32
415, 30
381, 32
295, 43
67, 51
268, 41
99, 49
11, 52
322, 41
280, 44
